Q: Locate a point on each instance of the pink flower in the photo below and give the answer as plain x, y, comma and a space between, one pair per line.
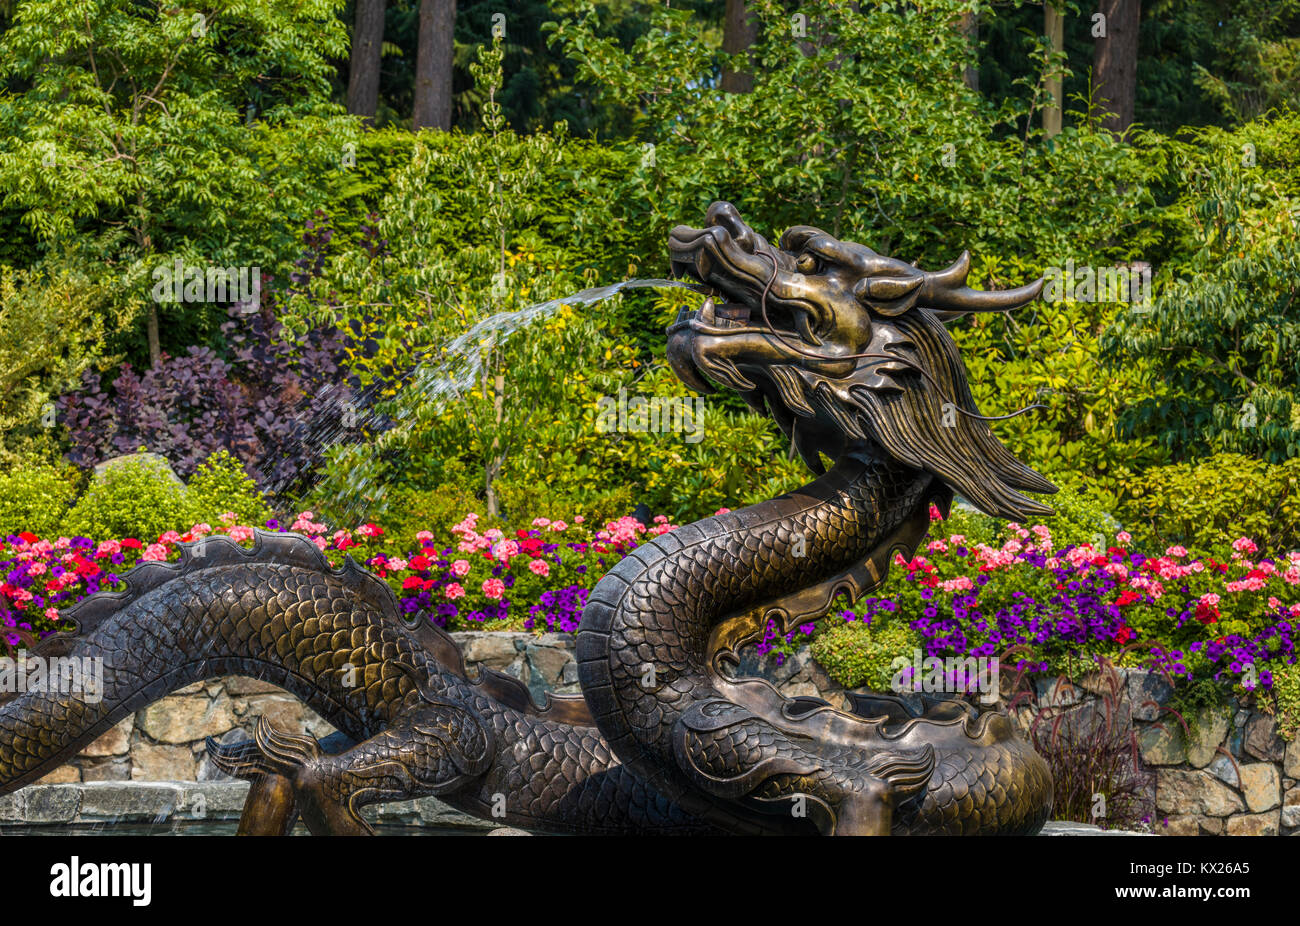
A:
200, 529
320, 542
397, 564
722, 511
170, 537
541, 522
229, 518
424, 536
505, 549
1244, 545
579, 519
454, 591
108, 548
155, 551
1210, 599
539, 567
460, 568
36, 569
493, 534
241, 533
1176, 551
1123, 536
494, 588
52, 614
560, 525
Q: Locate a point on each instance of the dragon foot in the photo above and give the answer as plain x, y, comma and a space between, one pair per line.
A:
437, 748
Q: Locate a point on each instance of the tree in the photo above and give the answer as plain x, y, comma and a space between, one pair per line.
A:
367, 49
146, 135
739, 30
433, 65
1114, 68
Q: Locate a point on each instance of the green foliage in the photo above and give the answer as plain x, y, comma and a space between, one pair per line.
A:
1223, 334
220, 485
856, 654
1207, 505
157, 133
1286, 685
137, 498
35, 499
52, 327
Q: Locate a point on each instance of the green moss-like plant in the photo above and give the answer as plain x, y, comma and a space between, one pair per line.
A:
857, 655
35, 499
137, 498
220, 485
1286, 685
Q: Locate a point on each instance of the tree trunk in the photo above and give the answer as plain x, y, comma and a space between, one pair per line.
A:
739, 31
367, 48
151, 332
970, 28
1114, 65
433, 65
1054, 29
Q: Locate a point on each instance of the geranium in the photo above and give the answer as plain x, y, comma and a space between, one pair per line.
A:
494, 588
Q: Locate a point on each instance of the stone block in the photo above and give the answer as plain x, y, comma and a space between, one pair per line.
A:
1291, 759
116, 742
1163, 743
1225, 769
63, 775
162, 763
1210, 729
1254, 824
182, 719
111, 768
46, 804
129, 802
1185, 792
1261, 786
1147, 692
1261, 738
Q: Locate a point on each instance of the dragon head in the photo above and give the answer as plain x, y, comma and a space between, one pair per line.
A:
843, 346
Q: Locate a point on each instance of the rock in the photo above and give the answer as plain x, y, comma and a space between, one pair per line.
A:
153, 461
51, 803
395, 812
116, 742
1291, 762
1163, 743
240, 685
547, 664
1212, 826
1147, 691
1210, 728
1184, 792
1068, 828
1261, 740
569, 675
1255, 824
220, 800
508, 831
114, 768
195, 688
1291, 815
162, 763
12, 806
434, 812
127, 802
182, 719
1260, 786
63, 775
1057, 692
494, 650
1106, 683
1225, 769
285, 712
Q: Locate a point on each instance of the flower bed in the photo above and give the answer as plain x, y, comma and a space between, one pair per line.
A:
1023, 599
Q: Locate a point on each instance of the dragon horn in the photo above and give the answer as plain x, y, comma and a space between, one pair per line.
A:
945, 291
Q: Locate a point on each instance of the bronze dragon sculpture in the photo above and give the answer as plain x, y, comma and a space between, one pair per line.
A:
846, 349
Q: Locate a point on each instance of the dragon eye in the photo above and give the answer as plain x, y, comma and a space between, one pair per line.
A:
807, 263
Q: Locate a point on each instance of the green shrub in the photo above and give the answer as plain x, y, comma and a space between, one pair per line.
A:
138, 498
1209, 504
35, 499
856, 654
1286, 685
220, 485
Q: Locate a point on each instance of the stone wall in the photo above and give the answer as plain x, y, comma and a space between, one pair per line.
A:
1232, 775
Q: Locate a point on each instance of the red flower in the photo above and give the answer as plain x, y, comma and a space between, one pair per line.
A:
412, 582
1128, 596
1207, 614
419, 562
132, 543
1124, 634
29, 536
521, 533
